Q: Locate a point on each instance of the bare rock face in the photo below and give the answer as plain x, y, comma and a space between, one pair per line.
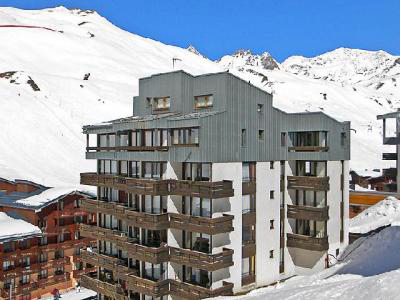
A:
192, 49
265, 60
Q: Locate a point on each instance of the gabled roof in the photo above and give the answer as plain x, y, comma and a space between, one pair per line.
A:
16, 229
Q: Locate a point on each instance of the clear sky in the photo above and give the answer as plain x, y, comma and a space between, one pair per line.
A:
281, 27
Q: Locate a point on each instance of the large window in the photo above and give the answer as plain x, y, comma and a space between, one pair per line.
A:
154, 272
248, 171
197, 171
153, 169
249, 203
194, 206
185, 136
308, 138
162, 103
203, 101
154, 204
248, 267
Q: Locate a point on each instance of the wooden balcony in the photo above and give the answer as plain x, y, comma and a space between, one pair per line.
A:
133, 185
312, 183
204, 189
307, 242
114, 291
248, 249
249, 187
248, 279
201, 224
192, 291
130, 215
389, 156
153, 255
308, 212
249, 218
117, 266
128, 148
308, 149
204, 261
146, 286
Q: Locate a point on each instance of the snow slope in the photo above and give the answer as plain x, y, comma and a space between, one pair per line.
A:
381, 214
41, 129
368, 271
45, 99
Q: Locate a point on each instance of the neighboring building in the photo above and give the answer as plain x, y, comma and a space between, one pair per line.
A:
209, 190
35, 265
384, 182
361, 200
394, 140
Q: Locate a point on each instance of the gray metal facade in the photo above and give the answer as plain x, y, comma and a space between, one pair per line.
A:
234, 108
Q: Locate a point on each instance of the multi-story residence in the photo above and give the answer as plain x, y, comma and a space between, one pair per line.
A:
209, 190
391, 136
33, 266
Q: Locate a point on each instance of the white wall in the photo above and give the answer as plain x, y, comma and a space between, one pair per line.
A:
233, 171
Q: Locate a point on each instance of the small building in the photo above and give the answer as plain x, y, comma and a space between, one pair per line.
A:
361, 200
50, 258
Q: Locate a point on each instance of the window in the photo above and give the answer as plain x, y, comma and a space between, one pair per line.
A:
42, 223
248, 266
271, 194
25, 279
261, 134
271, 253
271, 224
8, 265
244, 138
25, 262
8, 247
43, 274
58, 254
148, 101
77, 251
185, 136
271, 165
162, 103
61, 205
153, 169
343, 139
203, 101
337, 252
43, 241
249, 204
77, 203
43, 257
59, 270
283, 139
260, 108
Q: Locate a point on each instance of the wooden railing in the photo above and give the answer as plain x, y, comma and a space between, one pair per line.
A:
248, 279
308, 183
192, 291
249, 187
111, 290
204, 261
201, 224
219, 189
308, 149
307, 242
133, 185
308, 212
140, 252
146, 286
128, 148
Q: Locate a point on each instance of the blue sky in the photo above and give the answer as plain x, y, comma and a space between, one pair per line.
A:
281, 27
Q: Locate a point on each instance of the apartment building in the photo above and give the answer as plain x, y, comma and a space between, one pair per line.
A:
209, 190
32, 265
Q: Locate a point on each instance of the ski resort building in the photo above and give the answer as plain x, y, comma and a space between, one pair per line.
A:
40, 242
209, 190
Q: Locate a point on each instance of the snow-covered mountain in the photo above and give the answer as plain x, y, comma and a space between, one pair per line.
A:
61, 69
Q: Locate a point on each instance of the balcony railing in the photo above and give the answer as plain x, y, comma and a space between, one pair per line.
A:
249, 218
146, 286
192, 291
204, 261
313, 183
114, 291
201, 224
154, 255
308, 149
248, 248
219, 189
308, 212
133, 185
249, 187
128, 148
132, 217
117, 266
248, 278
307, 242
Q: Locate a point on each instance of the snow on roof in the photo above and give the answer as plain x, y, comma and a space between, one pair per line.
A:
11, 228
383, 213
368, 173
40, 198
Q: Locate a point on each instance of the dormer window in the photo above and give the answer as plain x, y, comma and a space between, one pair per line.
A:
203, 101
162, 103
